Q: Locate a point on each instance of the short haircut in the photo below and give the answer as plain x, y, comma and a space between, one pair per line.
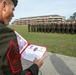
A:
10, 1
0, 0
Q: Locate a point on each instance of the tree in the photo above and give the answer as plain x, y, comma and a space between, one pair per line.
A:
74, 15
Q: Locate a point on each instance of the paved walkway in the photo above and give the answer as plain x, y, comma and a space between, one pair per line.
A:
55, 64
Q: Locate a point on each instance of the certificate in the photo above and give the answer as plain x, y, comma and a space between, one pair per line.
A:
29, 51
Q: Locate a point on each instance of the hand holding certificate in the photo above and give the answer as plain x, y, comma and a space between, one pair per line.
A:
29, 51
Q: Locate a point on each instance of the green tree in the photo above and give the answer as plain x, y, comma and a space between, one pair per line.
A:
74, 15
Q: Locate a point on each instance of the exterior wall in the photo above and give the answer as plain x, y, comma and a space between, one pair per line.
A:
39, 19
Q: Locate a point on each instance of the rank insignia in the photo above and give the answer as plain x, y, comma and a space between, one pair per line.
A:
14, 57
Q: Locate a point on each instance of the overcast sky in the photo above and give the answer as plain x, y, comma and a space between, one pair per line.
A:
29, 8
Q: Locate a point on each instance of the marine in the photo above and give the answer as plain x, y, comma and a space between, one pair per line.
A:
10, 58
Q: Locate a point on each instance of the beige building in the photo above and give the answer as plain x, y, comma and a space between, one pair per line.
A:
39, 19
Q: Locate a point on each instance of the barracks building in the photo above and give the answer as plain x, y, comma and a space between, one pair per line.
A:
39, 19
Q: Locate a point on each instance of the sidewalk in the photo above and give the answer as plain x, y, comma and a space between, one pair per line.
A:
55, 64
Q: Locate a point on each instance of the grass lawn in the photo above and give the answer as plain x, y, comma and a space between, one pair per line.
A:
57, 43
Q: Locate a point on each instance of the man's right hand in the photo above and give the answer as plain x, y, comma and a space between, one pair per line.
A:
39, 62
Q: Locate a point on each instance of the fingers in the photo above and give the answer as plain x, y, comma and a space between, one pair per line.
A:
39, 62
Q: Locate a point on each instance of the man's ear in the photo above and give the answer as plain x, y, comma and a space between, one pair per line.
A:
4, 3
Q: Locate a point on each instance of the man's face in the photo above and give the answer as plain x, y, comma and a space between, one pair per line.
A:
8, 13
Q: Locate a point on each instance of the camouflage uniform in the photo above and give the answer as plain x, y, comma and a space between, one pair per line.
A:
28, 27
72, 28
67, 28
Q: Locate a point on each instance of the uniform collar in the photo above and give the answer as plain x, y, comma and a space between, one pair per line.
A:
2, 23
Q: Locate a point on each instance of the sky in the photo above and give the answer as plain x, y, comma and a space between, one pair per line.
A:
30, 8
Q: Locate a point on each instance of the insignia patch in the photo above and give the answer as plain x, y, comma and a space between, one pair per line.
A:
14, 57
